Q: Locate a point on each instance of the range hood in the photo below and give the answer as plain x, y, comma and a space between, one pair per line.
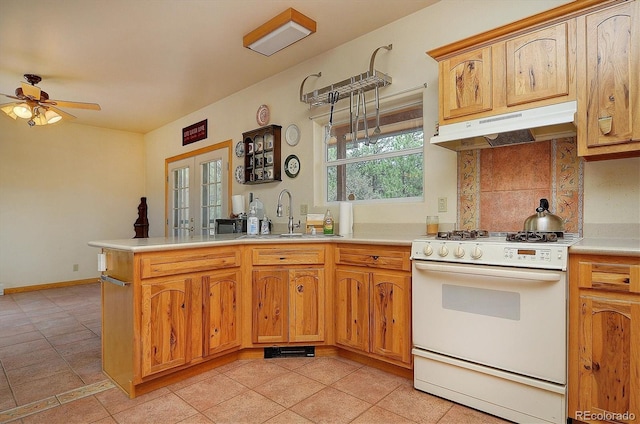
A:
525, 126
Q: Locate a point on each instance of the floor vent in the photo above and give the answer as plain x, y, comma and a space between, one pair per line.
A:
289, 352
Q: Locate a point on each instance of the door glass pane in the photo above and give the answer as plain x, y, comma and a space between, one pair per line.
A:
180, 195
211, 187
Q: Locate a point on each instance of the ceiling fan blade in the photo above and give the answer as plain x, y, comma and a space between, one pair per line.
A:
77, 105
65, 115
31, 91
10, 96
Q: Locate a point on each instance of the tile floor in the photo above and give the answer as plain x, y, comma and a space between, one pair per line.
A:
50, 357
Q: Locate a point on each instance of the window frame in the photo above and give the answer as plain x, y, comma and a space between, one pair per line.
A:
420, 150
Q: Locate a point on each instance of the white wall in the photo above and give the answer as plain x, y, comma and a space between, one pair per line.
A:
612, 198
61, 186
409, 66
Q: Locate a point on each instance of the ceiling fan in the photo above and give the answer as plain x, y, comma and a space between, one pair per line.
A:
35, 105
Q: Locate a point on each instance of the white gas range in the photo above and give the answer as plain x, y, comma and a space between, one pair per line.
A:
490, 321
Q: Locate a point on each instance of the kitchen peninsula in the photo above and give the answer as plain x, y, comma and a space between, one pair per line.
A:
175, 307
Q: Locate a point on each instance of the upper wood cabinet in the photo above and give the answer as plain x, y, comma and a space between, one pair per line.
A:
609, 88
466, 84
532, 69
537, 65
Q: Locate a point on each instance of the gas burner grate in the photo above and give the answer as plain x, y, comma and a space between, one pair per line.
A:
533, 236
462, 234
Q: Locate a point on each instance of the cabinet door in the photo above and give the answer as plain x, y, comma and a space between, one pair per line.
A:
165, 332
352, 309
609, 372
390, 301
306, 305
611, 93
221, 312
466, 83
537, 65
270, 306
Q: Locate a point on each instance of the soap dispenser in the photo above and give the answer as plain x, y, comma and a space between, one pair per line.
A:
252, 223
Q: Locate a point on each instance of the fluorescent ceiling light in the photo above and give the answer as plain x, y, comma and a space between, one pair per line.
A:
281, 31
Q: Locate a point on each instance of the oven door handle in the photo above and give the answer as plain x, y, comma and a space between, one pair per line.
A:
491, 272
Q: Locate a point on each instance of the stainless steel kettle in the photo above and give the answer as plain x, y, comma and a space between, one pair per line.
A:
543, 220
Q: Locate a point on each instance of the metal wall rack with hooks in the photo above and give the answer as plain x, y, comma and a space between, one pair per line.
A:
362, 82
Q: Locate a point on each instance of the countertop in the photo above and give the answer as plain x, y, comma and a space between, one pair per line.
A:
607, 246
137, 245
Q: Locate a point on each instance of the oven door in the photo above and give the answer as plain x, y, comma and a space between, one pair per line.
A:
508, 318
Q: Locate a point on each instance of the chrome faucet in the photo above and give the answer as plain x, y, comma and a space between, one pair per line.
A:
290, 225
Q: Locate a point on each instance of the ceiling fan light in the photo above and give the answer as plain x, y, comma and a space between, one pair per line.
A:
9, 111
52, 117
23, 110
38, 117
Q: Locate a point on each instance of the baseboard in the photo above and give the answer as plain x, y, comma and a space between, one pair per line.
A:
11, 290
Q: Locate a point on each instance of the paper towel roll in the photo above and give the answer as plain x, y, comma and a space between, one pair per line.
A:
237, 202
346, 219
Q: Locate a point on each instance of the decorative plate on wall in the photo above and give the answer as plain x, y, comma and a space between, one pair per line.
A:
262, 116
240, 149
292, 135
292, 166
240, 174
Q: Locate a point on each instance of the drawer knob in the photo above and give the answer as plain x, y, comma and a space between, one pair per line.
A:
300, 288
375, 257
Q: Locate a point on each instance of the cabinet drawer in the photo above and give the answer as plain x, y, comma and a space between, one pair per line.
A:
288, 256
617, 277
374, 257
175, 262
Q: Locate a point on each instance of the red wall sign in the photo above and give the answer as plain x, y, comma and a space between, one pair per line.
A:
195, 132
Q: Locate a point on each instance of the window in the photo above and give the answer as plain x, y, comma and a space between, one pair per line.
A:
386, 166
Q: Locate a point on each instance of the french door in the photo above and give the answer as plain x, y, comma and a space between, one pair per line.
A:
197, 193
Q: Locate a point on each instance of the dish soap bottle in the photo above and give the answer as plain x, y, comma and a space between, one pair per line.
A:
264, 229
252, 223
328, 223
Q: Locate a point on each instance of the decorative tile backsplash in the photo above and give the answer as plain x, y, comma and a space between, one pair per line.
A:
499, 188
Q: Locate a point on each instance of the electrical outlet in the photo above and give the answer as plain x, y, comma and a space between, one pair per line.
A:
442, 204
304, 209
76, 267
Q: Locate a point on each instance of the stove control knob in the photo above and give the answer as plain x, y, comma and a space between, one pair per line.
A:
443, 251
459, 252
476, 253
428, 250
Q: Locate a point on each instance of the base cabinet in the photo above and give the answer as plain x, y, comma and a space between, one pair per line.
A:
288, 295
373, 307
166, 324
604, 353
168, 311
221, 312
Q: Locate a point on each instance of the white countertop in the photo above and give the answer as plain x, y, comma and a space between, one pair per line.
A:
152, 244
607, 246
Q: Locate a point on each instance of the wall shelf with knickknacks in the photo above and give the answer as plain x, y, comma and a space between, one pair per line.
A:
262, 162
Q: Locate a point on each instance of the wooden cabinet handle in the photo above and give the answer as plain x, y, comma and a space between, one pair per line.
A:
605, 124
596, 366
300, 288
